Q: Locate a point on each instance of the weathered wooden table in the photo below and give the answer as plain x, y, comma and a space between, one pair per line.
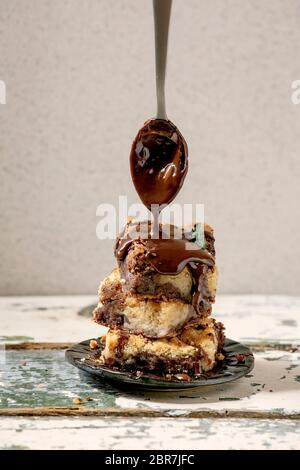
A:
45, 403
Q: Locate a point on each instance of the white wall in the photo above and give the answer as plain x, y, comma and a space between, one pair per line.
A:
80, 82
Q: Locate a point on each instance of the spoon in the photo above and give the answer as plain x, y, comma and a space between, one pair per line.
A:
162, 13
159, 154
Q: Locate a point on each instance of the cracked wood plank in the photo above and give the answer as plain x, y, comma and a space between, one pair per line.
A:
146, 413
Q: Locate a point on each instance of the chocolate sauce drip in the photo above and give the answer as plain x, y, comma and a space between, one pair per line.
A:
158, 162
170, 256
123, 340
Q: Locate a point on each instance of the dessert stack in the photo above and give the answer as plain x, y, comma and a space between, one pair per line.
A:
157, 302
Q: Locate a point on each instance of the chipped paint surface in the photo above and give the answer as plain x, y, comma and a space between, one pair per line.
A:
42, 319
247, 318
144, 433
264, 390
41, 378
257, 318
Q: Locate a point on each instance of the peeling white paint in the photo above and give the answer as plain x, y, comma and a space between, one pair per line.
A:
148, 434
247, 318
266, 390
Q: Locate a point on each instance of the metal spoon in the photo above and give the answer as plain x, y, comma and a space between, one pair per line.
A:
162, 13
159, 155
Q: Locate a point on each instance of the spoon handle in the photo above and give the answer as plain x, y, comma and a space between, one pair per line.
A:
162, 11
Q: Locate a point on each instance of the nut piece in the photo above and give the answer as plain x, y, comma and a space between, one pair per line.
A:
101, 360
77, 401
93, 344
220, 357
240, 357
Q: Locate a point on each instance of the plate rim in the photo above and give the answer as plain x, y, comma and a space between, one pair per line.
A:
125, 378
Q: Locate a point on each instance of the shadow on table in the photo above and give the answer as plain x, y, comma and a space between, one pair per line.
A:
269, 376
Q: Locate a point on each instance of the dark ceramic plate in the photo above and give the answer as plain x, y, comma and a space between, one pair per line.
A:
238, 362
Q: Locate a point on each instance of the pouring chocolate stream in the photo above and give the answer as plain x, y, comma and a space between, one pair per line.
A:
159, 164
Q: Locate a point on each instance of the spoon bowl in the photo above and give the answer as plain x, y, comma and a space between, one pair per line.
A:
158, 162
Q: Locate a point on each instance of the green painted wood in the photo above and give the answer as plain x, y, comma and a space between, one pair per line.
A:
42, 378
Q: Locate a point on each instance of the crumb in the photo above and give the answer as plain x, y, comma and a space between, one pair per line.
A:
184, 377
240, 357
77, 401
292, 350
101, 360
88, 399
102, 339
93, 344
270, 390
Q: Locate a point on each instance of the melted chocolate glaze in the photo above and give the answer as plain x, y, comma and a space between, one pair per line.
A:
158, 162
170, 256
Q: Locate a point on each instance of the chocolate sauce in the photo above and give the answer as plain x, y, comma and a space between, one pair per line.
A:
158, 162
170, 256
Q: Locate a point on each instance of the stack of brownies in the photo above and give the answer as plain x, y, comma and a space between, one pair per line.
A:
159, 318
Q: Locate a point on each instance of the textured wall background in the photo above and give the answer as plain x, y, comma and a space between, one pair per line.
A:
80, 82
